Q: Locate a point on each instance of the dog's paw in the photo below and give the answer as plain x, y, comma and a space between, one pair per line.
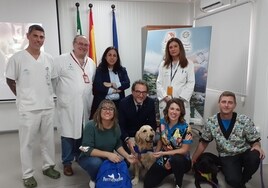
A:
135, 181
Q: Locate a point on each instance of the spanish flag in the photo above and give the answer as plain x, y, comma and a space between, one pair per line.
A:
92, 48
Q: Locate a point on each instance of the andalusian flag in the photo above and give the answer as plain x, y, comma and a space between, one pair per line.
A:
92, 48
115, 39
78, 21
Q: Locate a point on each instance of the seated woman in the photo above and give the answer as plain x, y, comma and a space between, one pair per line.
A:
101, 137
173, 149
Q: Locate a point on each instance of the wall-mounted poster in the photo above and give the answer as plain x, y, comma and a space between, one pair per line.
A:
196, 42
12, 39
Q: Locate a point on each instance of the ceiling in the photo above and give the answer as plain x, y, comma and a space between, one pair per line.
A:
164, 1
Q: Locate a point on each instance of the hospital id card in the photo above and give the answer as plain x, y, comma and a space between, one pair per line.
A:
86, 79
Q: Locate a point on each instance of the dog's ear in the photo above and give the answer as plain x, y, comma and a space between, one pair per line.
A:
137, 137
215, 159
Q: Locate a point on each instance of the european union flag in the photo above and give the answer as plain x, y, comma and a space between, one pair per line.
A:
115, 39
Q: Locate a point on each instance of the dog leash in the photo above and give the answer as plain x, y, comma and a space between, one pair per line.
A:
261, 174
207, 176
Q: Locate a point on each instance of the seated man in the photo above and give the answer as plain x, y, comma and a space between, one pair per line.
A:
136, 110
237, 142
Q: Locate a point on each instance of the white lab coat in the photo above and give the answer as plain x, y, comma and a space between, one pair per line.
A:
182, 83
74, 96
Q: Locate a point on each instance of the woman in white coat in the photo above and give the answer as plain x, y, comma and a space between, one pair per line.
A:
176, 78
74, 73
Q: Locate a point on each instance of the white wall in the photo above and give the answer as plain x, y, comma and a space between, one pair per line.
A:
230, 65
256, 94
130, 16
261, 63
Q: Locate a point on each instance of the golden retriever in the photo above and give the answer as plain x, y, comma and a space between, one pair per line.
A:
144, 140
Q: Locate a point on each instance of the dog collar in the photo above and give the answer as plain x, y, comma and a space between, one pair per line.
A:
136, 149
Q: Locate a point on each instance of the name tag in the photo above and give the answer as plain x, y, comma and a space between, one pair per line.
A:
86, 79
169, 90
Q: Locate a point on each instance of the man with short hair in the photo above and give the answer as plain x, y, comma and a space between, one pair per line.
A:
73, 78
135, 110
237, 142
28, 74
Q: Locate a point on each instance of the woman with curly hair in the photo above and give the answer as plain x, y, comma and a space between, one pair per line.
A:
173, 148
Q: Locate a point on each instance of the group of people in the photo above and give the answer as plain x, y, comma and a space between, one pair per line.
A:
96, 120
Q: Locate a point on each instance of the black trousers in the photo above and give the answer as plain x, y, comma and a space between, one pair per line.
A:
156, 174
239, 169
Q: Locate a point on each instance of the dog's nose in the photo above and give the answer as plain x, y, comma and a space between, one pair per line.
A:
151, 136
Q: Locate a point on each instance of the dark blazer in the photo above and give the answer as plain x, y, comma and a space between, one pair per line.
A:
130, 120
100, 91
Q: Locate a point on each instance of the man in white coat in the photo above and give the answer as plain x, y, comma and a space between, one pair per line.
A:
73, 77
28, 74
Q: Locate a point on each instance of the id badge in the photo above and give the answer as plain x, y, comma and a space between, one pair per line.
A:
86, 79
169, 90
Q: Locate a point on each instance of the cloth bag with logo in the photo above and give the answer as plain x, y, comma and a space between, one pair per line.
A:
113, 175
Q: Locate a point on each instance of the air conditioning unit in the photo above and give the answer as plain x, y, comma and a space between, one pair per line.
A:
206, 5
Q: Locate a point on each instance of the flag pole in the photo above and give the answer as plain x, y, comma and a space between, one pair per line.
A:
115, 39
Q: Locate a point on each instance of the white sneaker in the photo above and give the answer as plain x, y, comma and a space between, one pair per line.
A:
177, 186
91, 184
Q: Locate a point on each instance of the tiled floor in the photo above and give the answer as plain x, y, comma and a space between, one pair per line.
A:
10, 170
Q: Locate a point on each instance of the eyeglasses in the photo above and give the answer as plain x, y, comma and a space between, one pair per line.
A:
107, 109
141, 92
82, 44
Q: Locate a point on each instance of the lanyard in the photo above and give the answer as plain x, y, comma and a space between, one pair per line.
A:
172, 76
82, 67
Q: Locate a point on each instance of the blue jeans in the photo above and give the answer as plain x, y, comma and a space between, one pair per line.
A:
91, 165
69, 149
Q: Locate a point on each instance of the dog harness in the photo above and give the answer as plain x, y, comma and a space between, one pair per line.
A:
136, 149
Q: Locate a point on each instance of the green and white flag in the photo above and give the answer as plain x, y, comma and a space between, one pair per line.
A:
78, 22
